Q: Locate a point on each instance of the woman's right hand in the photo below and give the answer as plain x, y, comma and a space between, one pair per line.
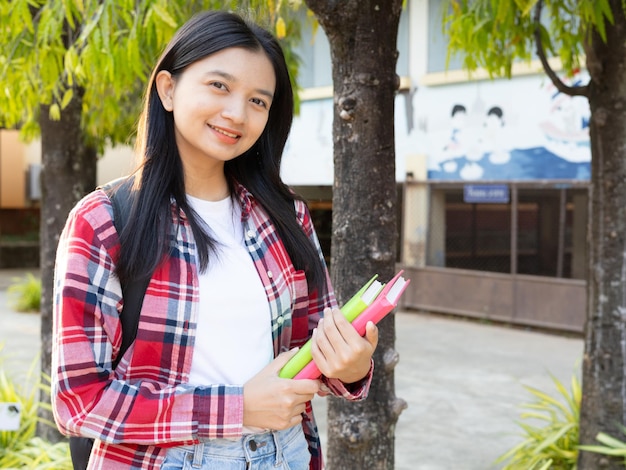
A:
271, 402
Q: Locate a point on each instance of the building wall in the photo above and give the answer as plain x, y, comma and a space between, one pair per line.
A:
12, 170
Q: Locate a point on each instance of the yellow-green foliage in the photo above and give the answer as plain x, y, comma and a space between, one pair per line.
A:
108, 52
610, 445
21, 449
26, 294
494, 34
552, 443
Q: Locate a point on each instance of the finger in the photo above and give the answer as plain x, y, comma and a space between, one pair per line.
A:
331, 329
297, 419
371, 333
316, 350
300, 409
305, 388
339, 318
344, 329
279, 362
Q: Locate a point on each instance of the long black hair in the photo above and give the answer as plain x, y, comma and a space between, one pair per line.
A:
146, 239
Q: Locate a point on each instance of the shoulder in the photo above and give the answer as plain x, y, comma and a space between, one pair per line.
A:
92, 214
95, 206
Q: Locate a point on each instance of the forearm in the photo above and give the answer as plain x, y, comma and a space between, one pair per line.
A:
149, 413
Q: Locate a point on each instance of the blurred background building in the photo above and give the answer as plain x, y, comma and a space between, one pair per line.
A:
492, 177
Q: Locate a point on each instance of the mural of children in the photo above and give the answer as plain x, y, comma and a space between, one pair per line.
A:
533, 132
494, 137
456, 145
566, 128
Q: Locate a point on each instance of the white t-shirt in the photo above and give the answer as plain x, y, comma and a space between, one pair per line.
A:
233, 337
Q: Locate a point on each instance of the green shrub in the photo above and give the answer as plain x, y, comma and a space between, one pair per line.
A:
26, 294
21, 449
553, 443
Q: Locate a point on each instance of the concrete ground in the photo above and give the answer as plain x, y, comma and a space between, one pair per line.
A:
463, 382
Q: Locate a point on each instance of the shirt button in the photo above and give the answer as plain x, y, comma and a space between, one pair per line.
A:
270, 275
250, 233
280, 320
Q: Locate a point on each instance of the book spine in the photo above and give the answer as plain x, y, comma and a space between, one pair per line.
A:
297, 362
375, 313
310, 371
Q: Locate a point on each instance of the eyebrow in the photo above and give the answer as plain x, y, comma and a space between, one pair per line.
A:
232, 78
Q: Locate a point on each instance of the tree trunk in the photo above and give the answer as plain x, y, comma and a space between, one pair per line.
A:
603, 405
68, 173
362, 36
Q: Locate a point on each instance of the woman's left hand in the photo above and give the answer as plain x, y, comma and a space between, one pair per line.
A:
339, 351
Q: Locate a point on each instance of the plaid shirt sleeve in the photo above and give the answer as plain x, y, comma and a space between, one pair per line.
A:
145, 400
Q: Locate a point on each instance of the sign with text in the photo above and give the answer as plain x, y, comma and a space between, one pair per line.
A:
486, 193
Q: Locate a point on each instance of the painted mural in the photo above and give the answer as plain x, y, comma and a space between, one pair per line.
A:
521, 129
491, 130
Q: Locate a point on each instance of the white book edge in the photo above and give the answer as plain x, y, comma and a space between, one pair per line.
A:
371, 292
396, 290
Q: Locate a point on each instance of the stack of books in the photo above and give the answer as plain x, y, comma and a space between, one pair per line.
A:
371, 303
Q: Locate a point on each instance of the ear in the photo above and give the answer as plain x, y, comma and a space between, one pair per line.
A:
165, 88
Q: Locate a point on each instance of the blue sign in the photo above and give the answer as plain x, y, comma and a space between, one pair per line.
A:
486, 193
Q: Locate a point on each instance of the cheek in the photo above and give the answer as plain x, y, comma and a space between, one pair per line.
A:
258, 126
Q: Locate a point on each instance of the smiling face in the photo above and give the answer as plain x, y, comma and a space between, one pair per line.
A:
220, 105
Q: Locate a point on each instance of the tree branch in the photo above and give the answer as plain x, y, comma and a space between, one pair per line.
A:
541, 53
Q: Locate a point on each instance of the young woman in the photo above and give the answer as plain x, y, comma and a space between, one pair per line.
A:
237, 279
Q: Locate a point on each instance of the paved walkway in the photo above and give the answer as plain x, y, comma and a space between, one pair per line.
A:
463, 382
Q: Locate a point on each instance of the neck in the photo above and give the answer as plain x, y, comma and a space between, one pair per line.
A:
210, 188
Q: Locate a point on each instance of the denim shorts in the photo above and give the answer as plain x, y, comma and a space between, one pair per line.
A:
272, 450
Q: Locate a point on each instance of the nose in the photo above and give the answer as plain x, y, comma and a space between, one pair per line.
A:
235, 110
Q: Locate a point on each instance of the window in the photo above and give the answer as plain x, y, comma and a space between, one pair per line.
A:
541, 232
314, 50
438, 42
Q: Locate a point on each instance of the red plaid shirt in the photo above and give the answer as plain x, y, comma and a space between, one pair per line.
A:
146, 404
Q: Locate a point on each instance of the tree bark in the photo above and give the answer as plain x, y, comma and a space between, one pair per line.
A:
68, 173
362, 36
603, 405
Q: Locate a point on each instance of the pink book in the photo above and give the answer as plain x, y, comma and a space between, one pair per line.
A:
384, 303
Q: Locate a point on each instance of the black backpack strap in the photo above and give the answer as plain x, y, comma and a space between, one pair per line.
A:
119, 192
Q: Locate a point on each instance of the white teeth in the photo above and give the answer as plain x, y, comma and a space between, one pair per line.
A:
234, 136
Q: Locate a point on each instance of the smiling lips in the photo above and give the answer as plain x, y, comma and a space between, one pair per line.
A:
224, 132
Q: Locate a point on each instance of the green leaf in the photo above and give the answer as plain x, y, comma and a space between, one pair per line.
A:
551, 439
611, 441
604, 10
604, 450
546, 466
164, 15
67, 97
547, 398
54, 112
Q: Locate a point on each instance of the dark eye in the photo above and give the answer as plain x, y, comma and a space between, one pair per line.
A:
259, 101
218, 85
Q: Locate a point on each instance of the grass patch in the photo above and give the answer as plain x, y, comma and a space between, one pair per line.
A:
25, 294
